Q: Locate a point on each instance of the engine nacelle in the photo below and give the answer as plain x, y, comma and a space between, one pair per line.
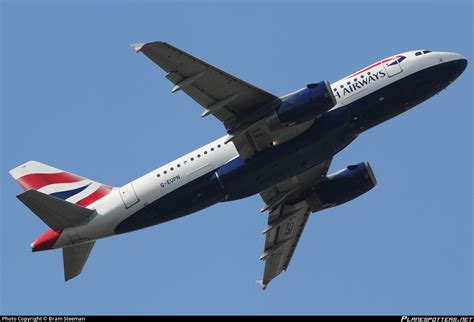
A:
305, 104
341, 186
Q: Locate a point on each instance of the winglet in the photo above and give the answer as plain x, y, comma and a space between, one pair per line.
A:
137, 47
262, 285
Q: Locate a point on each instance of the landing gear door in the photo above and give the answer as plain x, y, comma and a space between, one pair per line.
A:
392, 66
129, 197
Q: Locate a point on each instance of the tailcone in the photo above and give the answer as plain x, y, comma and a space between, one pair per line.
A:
46, 241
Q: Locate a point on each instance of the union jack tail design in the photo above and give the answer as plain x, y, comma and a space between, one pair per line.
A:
60, 184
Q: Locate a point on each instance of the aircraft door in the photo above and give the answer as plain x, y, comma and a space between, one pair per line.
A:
392, 67
129, 197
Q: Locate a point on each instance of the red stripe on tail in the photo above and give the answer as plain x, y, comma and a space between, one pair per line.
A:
39, 180
96, 195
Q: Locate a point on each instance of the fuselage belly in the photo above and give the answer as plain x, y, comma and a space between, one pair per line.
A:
216, 173
328, 135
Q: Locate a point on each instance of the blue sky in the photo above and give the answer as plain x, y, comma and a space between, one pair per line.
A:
74, 95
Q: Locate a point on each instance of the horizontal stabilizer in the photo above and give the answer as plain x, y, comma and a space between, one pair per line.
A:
75, 258
55, 212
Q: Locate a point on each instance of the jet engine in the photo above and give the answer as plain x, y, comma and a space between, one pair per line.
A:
303, 105
341, 186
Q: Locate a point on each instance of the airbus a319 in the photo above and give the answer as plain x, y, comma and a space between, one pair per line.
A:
278, 147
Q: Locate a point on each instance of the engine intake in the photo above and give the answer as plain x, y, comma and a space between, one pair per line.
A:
341, 186
305, 104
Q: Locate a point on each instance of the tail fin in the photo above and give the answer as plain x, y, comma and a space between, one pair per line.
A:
61, 199
74, 259
60, 184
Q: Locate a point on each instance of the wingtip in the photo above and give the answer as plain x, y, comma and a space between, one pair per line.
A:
68, 278
262, 285
137, 47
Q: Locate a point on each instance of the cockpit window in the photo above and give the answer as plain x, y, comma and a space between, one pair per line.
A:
418, 53
426, 51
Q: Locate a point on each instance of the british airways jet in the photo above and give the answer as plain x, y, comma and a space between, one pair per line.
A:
278, 147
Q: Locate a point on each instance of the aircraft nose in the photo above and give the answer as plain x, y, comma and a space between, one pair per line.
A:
460, 60
453, 64
447, 56
459, 64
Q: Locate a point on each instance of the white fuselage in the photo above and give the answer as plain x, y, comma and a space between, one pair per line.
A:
127, 200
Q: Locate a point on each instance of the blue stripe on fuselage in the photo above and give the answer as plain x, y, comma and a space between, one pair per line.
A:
196, 195
328, 135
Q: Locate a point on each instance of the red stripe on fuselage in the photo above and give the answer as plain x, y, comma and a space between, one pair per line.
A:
96, 195
39, 180
363, 70
372, 66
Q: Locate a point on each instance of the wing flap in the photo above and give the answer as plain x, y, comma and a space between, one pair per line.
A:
288, 215
285, 232
241, 106
233, 101
211, 86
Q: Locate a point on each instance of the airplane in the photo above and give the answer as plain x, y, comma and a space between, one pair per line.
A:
278, 147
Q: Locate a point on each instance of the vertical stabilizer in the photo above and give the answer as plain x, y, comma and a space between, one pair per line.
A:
34, 175
74, 259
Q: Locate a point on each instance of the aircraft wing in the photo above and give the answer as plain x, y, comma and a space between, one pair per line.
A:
239, 105
286, 220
